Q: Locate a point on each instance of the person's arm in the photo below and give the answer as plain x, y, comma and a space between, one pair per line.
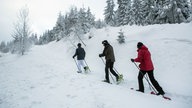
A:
139, 57
102, 54
75, 54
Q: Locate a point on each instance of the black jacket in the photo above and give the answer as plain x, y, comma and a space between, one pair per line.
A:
80, 53
108, 53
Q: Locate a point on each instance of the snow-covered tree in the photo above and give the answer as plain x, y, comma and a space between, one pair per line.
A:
60, 27
109, 13
128, 13
99, 24
138, 15
172, 11
190, 18
121, 37
73, 19
149, 11
67, 25
82, 21
33, 39
74, 24
160, 9
90, 18
3, 47
124, 12
183, 10
86, 20
175, 13
22, 31
47, 37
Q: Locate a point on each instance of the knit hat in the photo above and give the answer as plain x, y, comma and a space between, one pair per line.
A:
139, 45
105, 42
79, 44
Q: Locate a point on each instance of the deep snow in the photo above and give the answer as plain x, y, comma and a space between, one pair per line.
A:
46, 76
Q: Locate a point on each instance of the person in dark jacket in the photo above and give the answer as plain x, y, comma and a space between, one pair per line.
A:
146, 66
110, 59
80, 53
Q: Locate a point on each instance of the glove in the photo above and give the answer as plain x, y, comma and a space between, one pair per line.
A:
132, 60
100, 55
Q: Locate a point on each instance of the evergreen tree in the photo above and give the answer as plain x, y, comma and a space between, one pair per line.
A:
183, 10
90, 18
190, 18
73, 19
149, 11
83, 21
175, 14
172, 11
47, 37
99, 24
121, 37
129, 13
124, 12
138, 15
3, 47
67, 25
110, 13
161, 15
86, 20
33, 39
59, 28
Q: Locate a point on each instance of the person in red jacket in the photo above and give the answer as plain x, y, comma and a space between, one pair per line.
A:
146, 66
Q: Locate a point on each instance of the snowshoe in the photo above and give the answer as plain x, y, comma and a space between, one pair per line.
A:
86, 68
79, 71
153, 93
162, 94
119, 79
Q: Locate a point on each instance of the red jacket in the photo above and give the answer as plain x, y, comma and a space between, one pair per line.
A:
144, 57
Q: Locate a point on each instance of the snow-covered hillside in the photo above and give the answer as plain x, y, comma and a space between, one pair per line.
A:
46, 76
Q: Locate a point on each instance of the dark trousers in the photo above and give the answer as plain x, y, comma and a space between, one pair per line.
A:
152, 79
109, 66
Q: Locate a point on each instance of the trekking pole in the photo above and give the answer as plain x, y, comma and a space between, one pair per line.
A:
116, 71
111, 77
87, 65
76, 63
146, 79
109, 72
113, 67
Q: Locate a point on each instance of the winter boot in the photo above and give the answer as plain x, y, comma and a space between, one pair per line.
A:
107, 81
79, 71
140, 91
161, 93
86, 68
117, 79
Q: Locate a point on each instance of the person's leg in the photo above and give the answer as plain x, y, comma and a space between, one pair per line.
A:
140, 80
113, 72
79, 65
83, 65
107, 65
155, 83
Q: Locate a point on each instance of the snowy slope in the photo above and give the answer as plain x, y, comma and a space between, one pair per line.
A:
46, 76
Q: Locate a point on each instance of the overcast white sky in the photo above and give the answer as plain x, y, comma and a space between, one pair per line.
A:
43, 13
